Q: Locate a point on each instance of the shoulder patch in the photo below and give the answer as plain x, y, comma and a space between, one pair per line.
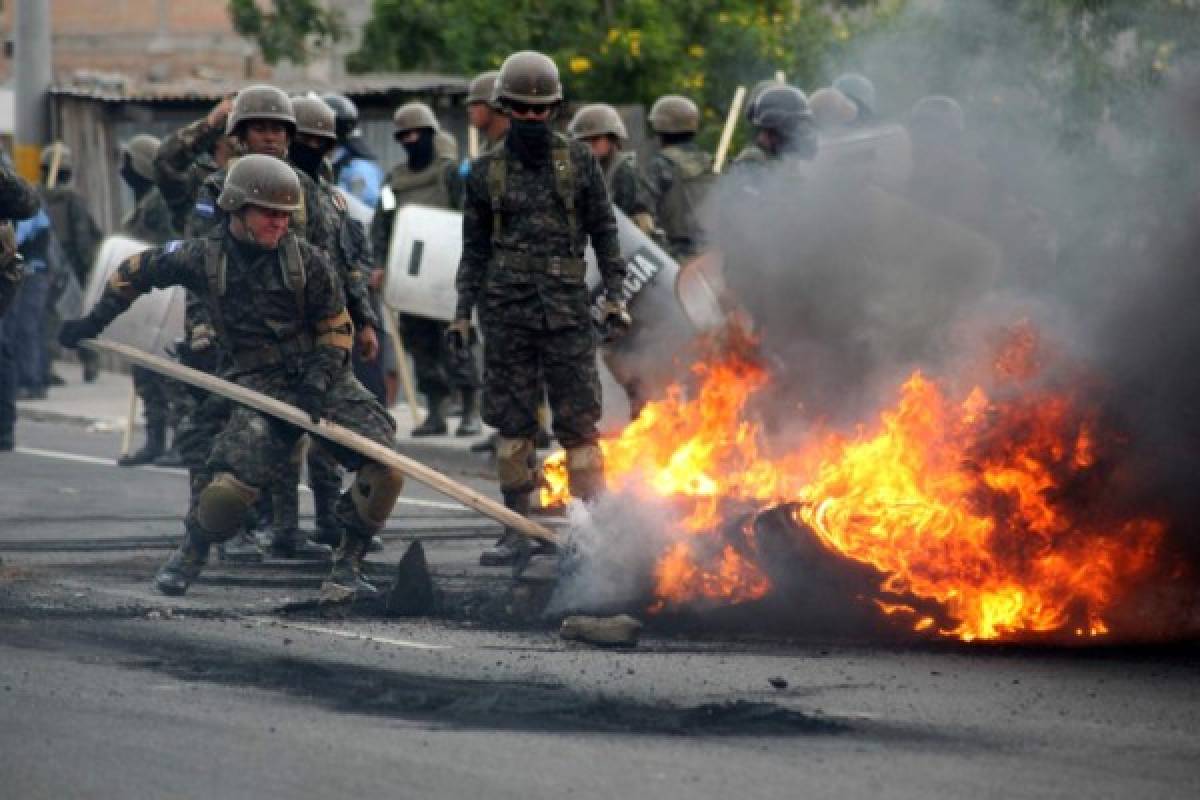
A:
207, 209
339, 202
172, 246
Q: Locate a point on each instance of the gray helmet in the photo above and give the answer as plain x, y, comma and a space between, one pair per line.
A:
831, 108
782, 109
411, 116
141, 150
938, 115
65, 159
258, 180
314, 117
528, 77
346, 111
860, 90
674, 113
260, 102
756, 92
482, 87
597, 119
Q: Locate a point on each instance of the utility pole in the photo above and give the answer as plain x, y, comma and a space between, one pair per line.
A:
32, 73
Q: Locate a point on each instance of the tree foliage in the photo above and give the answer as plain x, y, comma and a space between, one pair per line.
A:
290, 31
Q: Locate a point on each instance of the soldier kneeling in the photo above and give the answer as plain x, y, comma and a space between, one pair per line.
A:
281, 312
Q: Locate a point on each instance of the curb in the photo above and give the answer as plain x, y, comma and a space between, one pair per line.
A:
66, 418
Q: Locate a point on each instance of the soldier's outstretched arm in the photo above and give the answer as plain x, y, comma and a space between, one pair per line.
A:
176, 264
477, 243
600, 223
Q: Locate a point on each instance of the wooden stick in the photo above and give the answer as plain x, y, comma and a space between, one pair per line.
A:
735, 111
472, 142
334, 433
56, 151
127, 437
406, 378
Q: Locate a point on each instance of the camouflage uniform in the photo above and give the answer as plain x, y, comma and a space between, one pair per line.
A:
18, 200
438, 186
522, 263
183, 163
625, 189
677, 180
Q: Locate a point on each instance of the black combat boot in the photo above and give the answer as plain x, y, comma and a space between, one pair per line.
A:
294, 543
505, 550
435, 421
345, 581
470, 425
156, 442
184, 565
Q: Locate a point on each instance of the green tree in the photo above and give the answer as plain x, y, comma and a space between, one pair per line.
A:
290, 31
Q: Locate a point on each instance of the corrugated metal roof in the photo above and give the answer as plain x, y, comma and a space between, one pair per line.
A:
116, 89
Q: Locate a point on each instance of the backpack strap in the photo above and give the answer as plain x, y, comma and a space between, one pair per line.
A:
497, 179
214, 269
564, 184
292, 267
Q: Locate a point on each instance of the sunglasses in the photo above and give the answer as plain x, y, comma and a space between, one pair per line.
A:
527, 108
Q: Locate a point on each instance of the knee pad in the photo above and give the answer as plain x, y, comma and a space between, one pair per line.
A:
222, 505
374, 493
585, 470
514, 464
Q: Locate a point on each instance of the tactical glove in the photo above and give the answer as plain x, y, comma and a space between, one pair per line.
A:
311, 402
614, 320
458, 339
73, 331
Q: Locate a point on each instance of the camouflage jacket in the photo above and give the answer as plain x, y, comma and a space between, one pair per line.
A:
678, 179
183, 162
18, 200
150, 220
75, 227
625, 189
351, 256
522, 257
276, 333
438, 186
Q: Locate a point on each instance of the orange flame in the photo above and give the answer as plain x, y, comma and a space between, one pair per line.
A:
966, 504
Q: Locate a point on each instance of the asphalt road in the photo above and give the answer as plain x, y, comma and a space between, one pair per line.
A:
241, 689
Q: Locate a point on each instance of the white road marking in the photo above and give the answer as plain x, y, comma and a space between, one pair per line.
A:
364, 636
109, 462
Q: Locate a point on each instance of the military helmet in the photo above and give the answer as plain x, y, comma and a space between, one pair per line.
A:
937, 114
674, 113
260, 102
859, 89
756, 92
597, 119
411, 116
781, 108
528, 77
831, 108
141, 150
482, 87
346, 112
260, 180
314, 117
65, 158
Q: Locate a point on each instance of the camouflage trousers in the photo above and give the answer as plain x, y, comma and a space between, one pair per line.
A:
438, 374
163, 400
518, 362
324, 478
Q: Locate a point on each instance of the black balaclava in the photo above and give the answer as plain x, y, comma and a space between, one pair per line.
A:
530, 140
420, 152
133, 180
306, 158
669, 139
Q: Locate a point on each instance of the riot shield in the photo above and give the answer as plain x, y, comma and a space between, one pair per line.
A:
155, 320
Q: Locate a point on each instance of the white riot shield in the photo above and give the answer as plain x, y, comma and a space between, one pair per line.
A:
422, 262
882, 156
155, 320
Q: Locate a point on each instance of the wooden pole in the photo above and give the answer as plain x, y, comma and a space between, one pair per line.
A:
335, 433
56, 151
735, 111
472, 142
406, 378
127, 436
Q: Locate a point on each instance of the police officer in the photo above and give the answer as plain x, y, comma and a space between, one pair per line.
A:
18, 200
283, 319
431, 180
150, 222
678, 176
78, 235
601, 128
532, 204
355, 167
784, 132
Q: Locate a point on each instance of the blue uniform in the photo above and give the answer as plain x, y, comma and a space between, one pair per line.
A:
360, 177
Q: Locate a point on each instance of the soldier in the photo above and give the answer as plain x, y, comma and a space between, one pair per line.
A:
861, 92
482, 112
283, 319
601, 128
679, 176
355, 167
784, 131
832, 111
188, 156
18, 200
429, 180
79, 236
150, 222
532, 204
